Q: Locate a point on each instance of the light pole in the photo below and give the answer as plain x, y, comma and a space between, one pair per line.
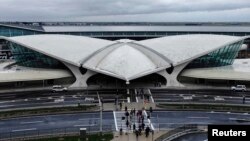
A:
101, 108
116, 100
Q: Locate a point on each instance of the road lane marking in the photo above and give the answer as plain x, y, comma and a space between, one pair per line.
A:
199, 117
202, 123
232, 118
3, 106
2, 102
30, 129
218, 98
187, 97
116, 127
31, 122
58, 100
84, 125
75, 114
87, 118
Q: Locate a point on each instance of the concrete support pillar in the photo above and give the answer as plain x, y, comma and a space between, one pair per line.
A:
172, 78
81, 79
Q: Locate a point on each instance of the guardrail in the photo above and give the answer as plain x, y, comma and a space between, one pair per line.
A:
32, 133
178, 131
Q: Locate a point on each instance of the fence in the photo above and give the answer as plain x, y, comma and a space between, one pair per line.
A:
34, 133
48, 133
178, 130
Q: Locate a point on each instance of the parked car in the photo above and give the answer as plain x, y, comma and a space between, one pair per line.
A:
89, 99
59, 88
239, 88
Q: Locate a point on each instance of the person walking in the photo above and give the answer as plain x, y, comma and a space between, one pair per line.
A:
120, 106
127, 123
137, 134
143, 126
139, 129
134, 128
147, 131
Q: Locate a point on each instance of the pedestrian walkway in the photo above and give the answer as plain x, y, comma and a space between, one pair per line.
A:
132, 136
121, 119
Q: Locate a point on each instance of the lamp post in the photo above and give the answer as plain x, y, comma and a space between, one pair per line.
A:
101, 108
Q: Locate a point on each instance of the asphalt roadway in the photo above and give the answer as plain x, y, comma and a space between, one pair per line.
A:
39, 99
200, 96
72, 122
161, 120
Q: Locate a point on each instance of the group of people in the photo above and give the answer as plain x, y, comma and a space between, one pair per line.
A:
143, 95
134, 117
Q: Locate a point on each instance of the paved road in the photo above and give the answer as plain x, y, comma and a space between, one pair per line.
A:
10, 101
72, 122
169, 119
19, 100
166, 96
54, 123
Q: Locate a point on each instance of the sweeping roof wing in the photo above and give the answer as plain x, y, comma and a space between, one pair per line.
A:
182, 48
125, 59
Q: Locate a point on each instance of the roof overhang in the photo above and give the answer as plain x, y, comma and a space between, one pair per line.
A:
126, 59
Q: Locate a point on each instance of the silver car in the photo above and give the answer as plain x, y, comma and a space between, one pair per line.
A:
239, 88
59, 88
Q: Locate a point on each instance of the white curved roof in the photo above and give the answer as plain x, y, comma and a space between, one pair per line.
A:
239, 70
125, 59
183, 48
33, 75
69, 48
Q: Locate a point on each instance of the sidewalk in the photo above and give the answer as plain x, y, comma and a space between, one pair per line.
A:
132, 136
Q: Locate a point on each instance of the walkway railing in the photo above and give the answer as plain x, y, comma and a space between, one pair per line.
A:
32, 133
178, 131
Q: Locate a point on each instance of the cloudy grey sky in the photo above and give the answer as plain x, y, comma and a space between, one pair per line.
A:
125, 10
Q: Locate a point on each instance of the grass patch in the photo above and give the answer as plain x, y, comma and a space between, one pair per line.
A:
42, 111
91, 137
213, 107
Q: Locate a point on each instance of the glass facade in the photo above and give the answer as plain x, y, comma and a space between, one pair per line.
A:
221, 57
11, 31
29, 58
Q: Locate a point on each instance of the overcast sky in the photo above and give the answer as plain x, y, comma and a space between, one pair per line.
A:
126, 10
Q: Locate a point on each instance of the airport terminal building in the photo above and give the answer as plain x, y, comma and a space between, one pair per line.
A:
54, 55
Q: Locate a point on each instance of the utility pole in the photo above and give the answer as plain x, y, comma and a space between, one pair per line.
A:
101, 108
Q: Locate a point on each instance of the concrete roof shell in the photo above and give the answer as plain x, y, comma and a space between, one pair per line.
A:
125, 59
183, 48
